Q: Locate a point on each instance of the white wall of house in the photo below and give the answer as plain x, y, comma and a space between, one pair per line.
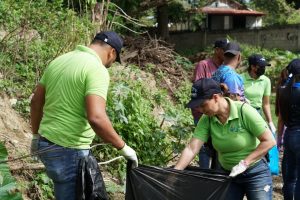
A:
253, 22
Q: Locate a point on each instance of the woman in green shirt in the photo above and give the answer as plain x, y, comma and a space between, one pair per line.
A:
240, 136
258, 87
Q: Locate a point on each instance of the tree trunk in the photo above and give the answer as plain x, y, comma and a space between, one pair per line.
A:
162, 21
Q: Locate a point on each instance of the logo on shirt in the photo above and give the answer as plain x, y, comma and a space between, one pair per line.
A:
235, 128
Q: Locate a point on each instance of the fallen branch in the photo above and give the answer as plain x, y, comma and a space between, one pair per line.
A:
40, 166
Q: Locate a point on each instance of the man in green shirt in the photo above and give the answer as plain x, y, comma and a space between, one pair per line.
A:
68, 109
258, 87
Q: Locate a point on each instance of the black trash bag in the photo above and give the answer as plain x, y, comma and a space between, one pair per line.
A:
193, 183
90, 184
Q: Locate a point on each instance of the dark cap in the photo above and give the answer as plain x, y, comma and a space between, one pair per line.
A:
232, 48
113, 39
294, 67
202, 90
221, 43
258, 60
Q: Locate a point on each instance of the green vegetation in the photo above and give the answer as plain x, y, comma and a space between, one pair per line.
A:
137, 109
35, 33
8, 186
45, 186
156, 124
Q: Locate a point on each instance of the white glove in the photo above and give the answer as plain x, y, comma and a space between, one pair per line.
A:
272, 127
239, 168
129, 154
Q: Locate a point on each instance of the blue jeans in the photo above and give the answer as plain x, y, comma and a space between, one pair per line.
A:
204, 157
255, 183
204, 154
291, 164
62, 167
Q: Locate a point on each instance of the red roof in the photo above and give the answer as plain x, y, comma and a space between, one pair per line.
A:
229, 11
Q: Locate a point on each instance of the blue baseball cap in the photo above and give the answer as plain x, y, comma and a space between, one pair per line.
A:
258, 60
113, 39
202, 90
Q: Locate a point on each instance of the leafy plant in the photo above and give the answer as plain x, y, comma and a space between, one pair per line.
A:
184, 63
146, 119
35, 33
45, 184
8, 186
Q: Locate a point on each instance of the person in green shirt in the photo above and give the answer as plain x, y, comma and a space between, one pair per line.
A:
240, 136
258, 87
68, 109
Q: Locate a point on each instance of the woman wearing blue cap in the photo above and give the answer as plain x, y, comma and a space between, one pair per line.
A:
289, 113
240, 136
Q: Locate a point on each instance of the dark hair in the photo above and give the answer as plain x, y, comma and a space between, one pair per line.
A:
284, 98
281, 81
229, 56
249, 68
224, 88
99, 42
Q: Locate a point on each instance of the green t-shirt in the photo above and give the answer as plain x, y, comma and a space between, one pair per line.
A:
233, 141
255, 89
67, 81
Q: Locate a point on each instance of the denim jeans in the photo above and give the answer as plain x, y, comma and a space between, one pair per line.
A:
291, 164
62, 167
204, 157
255, 183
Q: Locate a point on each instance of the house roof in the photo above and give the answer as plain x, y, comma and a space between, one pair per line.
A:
227, 7
229, 11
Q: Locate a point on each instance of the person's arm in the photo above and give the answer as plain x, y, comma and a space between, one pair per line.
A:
267, 141
189, 153
200, 71
267, 109
280, 126
99, 121
36, 108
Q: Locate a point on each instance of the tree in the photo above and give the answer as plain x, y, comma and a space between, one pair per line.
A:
136, 8
162, 22
276, 10
296, 3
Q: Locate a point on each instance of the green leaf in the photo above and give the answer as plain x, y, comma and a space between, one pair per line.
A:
8, 187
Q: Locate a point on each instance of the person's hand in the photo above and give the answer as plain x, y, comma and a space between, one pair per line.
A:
272, 127
34, 146
239, 168
129, 154
279, 143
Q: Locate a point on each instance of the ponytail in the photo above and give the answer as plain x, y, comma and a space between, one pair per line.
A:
224, 88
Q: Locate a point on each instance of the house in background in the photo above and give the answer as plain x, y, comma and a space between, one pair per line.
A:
221, 15
229, 14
